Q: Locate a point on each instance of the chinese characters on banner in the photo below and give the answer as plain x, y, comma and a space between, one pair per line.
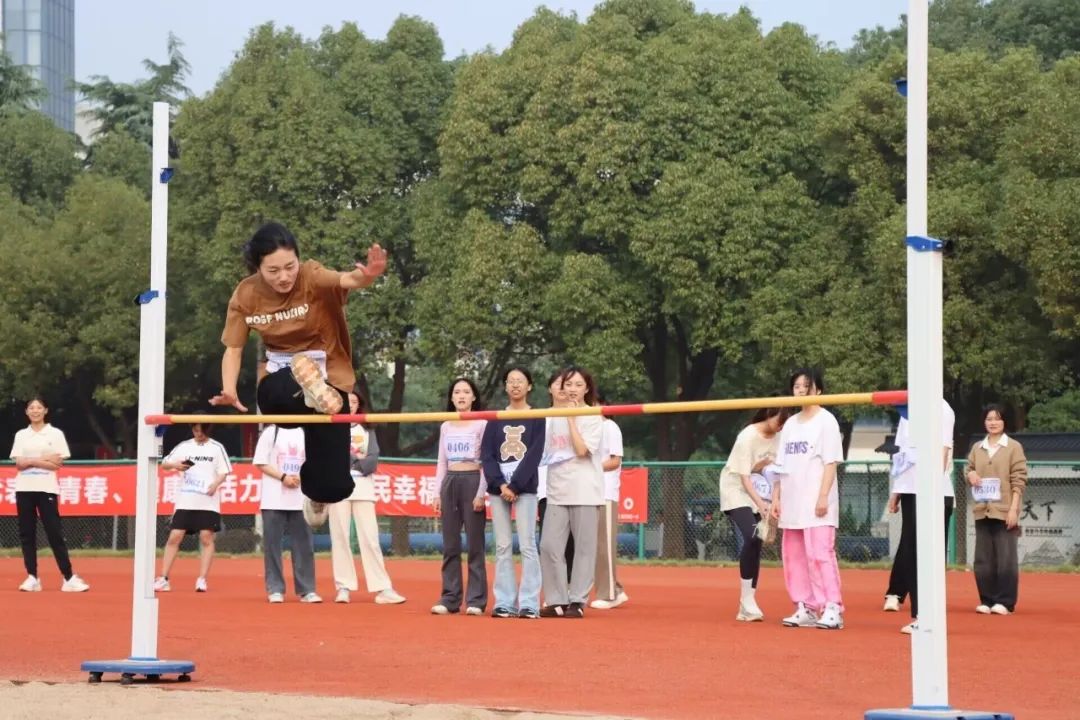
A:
404, 490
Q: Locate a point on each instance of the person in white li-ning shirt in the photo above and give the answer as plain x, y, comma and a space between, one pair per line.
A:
279, 455
39, 451
205, 465
806, 503
609, 591
360, 507
904, 578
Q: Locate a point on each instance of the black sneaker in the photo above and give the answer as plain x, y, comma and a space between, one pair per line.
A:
554, 611
501, 612
575, 610
528, 614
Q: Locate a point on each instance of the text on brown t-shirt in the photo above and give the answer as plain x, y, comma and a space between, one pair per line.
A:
310, 317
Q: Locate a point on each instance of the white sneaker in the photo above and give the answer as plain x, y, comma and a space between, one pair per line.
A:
831, 619
999, 609
802, 617
311, 597
276, 598
892, 603
74, 584
910, 628
342, 595
200, 584
30, 584
315, 513
982, 609
318, 396
610, 604
440, 609
474, 611
749, 611
389, 597
162, 585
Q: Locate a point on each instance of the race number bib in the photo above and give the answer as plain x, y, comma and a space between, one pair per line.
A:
291, 465
359, 442
762, 486
988, 491
508, 469
194, 482
461, 447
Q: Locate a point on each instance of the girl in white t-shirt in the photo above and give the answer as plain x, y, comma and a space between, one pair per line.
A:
806, 503
279, 454
745, 494
39, 451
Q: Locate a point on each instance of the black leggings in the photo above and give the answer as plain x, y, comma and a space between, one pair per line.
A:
28, 506
904, 578
324, 476
744, 520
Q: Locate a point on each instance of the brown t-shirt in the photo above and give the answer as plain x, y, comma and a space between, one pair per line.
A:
310, 317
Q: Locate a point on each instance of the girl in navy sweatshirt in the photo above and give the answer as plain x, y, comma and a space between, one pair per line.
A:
510, 453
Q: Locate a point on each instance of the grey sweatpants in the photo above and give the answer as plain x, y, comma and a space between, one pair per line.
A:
559, 522
275, 524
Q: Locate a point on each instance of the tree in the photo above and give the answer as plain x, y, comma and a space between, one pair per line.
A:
118, 155
67, 314
17, 88
130, 106
38, 160
1060, 414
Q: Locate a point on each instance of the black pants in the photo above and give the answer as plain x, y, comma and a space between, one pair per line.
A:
29, 505
997, 572
744, 520
457, 495
904, 578
324, 476
569, 539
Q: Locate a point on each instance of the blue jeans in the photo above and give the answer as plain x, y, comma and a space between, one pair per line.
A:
528, 596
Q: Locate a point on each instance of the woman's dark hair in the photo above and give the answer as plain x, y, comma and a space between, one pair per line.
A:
999, 409
477, 404
207, 428
37, 399
813, 374
590, 385
268, 239
518, 368
764, 414
551, 381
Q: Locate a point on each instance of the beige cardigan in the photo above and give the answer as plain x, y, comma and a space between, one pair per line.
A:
1008, 463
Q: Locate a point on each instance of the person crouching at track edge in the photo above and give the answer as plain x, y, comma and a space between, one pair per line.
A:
298, 308
807, 505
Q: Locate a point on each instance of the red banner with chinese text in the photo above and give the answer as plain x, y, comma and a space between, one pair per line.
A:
402, 490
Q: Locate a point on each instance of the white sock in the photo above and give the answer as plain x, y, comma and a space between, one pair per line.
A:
747, 590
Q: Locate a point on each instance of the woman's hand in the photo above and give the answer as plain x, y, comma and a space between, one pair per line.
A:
774, 510
478, 504
364, 275
1012, 519
973, 479
226, 397
290, 481
894, 503
822, 507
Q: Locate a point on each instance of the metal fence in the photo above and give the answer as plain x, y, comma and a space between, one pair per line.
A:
685, 521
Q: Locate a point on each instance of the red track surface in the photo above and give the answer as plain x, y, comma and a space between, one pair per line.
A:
674, 651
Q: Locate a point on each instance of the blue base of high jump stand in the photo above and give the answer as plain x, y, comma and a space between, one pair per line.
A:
150, 668
935, 714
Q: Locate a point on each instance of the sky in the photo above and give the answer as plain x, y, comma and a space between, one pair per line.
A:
113, 37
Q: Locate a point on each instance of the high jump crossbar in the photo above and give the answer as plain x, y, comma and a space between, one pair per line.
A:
885, 397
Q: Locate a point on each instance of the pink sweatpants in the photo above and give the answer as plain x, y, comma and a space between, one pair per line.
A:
811, 573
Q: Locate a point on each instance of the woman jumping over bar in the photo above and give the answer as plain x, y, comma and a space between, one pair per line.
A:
298, 308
